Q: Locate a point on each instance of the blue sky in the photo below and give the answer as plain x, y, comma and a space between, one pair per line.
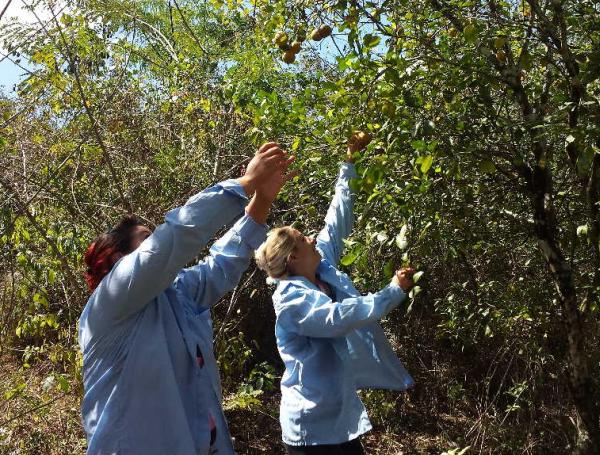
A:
10, 74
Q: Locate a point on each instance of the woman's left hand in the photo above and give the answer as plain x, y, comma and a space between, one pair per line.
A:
269, 188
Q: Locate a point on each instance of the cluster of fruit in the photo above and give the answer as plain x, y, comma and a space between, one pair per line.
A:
291, 49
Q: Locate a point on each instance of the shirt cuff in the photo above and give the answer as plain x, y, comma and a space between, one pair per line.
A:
232, 186
251, 232
348, 170
396, 293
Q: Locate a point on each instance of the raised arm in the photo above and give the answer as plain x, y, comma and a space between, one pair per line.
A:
229, 257
311, 313
339, 220
221, 271
146, 272
140, 276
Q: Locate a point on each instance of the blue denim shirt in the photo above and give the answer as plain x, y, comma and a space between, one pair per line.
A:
144, 391
332, 347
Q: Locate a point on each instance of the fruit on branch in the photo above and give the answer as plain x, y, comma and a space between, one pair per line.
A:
320, 32
280, 39
501, 56
499, 42
288, 57
295, 47
388, 109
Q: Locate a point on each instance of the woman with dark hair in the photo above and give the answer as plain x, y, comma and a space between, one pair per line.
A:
101, 255
327, 333
151, 383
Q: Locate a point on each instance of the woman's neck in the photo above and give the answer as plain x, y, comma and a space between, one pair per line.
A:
310, 276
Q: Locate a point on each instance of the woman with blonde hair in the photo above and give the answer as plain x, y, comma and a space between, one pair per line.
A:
327, 333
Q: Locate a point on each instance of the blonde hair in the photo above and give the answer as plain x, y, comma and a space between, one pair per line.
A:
272, 255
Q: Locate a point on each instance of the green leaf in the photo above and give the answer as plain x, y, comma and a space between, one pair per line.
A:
388, 269
63, 384
470, 33
414, 292
371, 40
401, 240
417, 276
381, 237
487, 166
296, 144
426, 164
418, 144
348, 259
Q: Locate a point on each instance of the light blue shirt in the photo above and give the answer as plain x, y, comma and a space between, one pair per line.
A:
144, 391
332, 347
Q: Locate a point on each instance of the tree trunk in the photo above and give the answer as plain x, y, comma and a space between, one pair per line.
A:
581, 385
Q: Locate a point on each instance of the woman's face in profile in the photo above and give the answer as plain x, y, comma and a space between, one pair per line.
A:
305, 256
138, 234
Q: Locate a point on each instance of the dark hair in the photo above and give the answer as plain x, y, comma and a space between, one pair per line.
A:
99, 254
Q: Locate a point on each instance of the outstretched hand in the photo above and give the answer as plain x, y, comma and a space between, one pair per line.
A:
271, 184
403, 278
267, 161
357, 142
269, 172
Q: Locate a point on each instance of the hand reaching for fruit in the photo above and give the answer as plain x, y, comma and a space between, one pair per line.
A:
357, 142
404, 278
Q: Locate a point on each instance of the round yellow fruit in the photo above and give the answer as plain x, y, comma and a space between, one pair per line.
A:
452, 32
499, 42
501, 56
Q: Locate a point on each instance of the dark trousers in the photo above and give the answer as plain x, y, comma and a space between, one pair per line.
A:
353, 447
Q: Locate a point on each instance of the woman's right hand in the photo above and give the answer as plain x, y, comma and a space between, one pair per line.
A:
357, 142
403, 278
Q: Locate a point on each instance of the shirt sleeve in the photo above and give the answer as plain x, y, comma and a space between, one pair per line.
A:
340, 217
142, 275
311, 313
221, 271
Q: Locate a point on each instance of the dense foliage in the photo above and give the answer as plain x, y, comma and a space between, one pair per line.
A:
483, 172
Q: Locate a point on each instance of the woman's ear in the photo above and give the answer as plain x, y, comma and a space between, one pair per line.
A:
292, 257
116, 256
291, 261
